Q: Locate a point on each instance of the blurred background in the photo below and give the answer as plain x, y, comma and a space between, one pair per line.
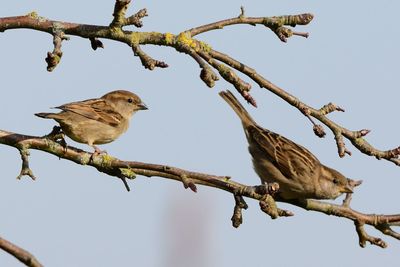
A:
75, 216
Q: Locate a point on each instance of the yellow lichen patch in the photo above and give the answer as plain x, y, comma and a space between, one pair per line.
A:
135, 37
116, 32
33, 15
169, 38
205, 47
106, 160
360, 141
128, 173
186, 39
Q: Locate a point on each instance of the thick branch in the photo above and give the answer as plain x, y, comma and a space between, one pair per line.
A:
22, 255
115, 167
129, 169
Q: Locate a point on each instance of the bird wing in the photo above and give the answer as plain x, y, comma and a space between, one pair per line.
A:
292, 160
94, 109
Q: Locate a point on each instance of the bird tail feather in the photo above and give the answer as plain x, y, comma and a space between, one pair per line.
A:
237, 107
45, 115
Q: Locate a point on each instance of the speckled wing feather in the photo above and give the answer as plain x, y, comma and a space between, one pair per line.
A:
95, 109
290, 158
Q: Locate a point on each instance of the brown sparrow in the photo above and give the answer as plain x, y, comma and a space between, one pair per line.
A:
97, 121
298, 172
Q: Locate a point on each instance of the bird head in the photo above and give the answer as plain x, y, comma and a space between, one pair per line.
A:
333, 183
126, 103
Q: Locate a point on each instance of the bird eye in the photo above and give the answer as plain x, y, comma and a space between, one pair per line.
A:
335, 181
130, 100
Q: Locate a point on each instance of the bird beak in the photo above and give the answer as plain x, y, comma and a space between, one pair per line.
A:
348, 189
142, 106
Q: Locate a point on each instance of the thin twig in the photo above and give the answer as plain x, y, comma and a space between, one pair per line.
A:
22, 255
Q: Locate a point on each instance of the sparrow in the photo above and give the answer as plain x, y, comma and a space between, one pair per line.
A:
298, 172
97, 121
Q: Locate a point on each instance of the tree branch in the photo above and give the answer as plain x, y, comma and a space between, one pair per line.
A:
22, 255
382, 223
276, 24
208, 59
264, 194
129, 169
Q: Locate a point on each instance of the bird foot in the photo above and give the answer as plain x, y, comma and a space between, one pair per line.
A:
57, 135
97, 152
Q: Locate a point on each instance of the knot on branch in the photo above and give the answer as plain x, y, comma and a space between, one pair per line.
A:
329, 108
208, 76
361, 133
283, 33
25, 170
184, 43
136, 19
342, 150
242, 13
393, 153
54, 57
277, 25
300, 19
266, 189
95, 43
319, 130
119, 15
240, 204
147, 61
188, 183
268, 205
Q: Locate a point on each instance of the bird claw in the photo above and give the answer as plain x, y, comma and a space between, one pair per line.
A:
97, 152
57, 135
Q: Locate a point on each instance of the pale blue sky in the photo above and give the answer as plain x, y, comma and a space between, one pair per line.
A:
74, 216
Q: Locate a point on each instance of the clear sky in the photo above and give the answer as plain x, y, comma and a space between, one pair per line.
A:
74, 216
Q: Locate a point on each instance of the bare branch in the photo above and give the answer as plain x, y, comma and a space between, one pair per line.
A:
129, 169
363, 237
25, 170
380, 222
136, 19
230, 76
119, 13
54, 57
276, 24
265, 194
22, 255
237, 218
329, 108
147, 61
